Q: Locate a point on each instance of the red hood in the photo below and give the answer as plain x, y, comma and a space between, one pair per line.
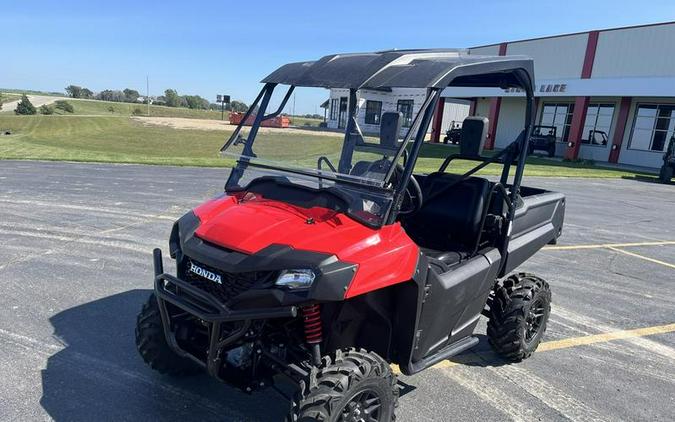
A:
251, 225
255, 223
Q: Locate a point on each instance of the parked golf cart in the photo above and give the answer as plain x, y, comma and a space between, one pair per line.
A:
597, 137
453, 135
668, 166
325, 269
543, 138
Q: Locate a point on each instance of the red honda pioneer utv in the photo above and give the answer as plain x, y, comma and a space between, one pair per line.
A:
326, 260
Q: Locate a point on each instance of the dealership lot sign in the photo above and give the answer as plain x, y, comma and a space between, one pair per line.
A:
606, 87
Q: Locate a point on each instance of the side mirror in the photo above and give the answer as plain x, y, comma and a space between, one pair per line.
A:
473, 136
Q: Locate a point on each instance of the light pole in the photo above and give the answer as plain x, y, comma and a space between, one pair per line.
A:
147, 92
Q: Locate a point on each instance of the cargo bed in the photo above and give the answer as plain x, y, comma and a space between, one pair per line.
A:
538, 221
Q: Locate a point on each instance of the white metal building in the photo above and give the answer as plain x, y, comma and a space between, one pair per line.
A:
609, 93
373, 103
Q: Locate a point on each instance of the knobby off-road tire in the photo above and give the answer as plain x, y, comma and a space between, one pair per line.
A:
349, 386
519, 309
551, 150
152, 345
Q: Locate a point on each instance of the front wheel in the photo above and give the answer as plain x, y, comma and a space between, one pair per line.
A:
551, 150
153, 347
351, 385
519, 310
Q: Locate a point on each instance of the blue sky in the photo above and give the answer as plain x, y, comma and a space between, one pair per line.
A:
209, 47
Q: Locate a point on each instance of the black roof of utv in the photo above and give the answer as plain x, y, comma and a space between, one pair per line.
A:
436, 68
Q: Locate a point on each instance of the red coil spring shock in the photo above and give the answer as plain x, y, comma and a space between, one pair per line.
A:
312, 319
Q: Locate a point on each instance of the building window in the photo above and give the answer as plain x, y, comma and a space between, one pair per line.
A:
598, 124
373, 111
405, 107
654, 125
342, 116
558, 115
334, 108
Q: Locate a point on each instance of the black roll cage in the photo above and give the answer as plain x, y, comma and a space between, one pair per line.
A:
515, 153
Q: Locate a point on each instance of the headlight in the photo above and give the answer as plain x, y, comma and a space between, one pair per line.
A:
295, 279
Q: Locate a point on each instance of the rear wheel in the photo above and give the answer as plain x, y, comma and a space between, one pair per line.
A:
666, 174
350, 386
151, 343
519, 310
530, 150
551, 150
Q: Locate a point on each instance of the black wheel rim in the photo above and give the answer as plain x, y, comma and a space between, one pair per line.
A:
364, 406
534, 319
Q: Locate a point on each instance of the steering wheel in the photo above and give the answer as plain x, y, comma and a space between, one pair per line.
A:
412, 197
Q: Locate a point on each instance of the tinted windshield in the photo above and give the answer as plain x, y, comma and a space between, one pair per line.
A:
349, 157
364, 155
316, 152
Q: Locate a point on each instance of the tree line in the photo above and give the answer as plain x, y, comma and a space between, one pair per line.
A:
171, 98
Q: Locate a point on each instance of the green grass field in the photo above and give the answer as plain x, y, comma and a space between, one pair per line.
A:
304, 121
109, 108
123, 140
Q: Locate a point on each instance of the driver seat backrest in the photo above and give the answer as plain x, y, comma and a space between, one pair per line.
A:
452, 220
390, 127
360, 168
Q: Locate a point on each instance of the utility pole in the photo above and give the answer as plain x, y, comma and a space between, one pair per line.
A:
222, 99
147, 92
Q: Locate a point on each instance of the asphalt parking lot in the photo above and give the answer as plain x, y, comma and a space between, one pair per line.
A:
75, 266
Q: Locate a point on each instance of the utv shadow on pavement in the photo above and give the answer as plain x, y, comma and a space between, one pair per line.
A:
99, 375
481, 355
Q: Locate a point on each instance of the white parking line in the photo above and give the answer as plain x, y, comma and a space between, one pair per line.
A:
594, 324
89, 209
553, 397
501, 400
607, 245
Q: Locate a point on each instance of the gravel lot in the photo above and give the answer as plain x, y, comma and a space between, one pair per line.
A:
75, 267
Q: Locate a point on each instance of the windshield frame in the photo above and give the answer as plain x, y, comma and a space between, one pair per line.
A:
350, 144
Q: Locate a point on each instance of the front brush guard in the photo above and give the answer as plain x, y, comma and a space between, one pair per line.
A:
208, 309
